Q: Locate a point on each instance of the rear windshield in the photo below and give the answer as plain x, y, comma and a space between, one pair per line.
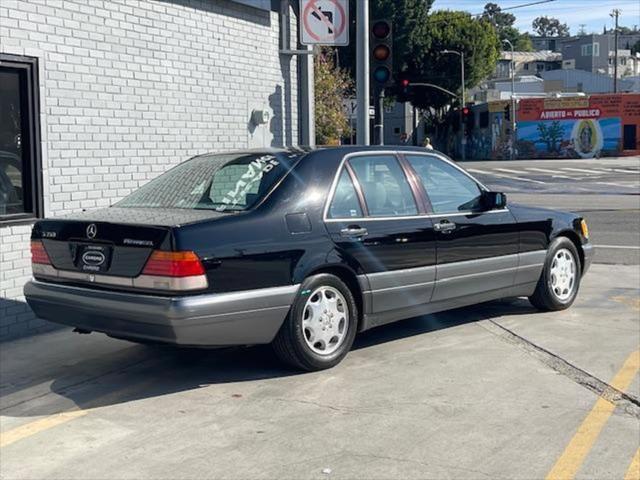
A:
215, 182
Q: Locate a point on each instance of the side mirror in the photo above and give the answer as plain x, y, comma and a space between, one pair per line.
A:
495, 200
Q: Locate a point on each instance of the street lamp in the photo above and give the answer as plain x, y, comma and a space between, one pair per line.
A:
513, 99
463, 141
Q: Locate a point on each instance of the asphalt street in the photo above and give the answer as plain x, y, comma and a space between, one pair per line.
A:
496, 391
605, 191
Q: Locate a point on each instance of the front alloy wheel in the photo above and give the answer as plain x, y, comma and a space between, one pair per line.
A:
560, 278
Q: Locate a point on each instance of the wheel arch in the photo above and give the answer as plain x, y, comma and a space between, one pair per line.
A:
573, 236
350, 278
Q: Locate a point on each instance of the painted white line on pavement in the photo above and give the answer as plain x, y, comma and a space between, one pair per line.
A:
502, 175
624, 247
582, 170
615, 184
517, 172
553, 173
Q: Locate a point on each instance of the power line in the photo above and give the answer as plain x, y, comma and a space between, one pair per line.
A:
539, 2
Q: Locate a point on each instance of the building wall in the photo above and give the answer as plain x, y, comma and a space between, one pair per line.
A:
572, 49
129, 88
572, 127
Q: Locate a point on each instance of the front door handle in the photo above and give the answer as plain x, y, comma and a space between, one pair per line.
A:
444, 226
354, 232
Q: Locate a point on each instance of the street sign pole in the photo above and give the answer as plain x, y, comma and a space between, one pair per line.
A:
379, 117
362, 71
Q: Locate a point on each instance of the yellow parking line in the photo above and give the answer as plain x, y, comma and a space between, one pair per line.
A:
634, 468
24, 431
573, 456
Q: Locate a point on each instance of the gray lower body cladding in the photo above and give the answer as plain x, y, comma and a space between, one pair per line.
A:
421, 291
251, 317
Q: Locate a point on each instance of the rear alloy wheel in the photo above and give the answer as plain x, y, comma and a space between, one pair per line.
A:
321, 325
560, 279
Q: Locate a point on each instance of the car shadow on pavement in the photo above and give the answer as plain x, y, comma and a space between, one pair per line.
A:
137, 372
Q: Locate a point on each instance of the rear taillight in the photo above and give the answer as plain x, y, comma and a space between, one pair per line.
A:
173, 264
172, 271
39, 254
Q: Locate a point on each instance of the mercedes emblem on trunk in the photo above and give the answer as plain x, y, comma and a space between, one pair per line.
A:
92, 230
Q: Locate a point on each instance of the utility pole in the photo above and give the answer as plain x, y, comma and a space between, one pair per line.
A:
513, 99
362, 71
615, 14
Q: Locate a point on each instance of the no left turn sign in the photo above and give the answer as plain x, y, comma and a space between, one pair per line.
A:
324, 22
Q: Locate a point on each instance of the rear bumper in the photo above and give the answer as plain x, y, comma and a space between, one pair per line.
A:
238, 318
589, 253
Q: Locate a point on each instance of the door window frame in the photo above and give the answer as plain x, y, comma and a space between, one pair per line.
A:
412, 181
432, 213
30, 136
420, 194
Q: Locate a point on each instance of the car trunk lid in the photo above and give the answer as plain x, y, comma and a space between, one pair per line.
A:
113, 241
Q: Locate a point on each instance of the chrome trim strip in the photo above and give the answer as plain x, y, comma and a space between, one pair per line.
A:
401, 286
477, 274
152, 282
411, 217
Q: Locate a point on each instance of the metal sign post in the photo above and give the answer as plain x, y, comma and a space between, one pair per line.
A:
362, 71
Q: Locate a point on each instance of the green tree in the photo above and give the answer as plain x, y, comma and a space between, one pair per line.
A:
332, 86
635, 48
503, 23
550, 27
452, 30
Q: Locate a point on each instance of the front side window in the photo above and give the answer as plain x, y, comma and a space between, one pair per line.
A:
384, 185
20, 170
449, 189
345, 203
213, 182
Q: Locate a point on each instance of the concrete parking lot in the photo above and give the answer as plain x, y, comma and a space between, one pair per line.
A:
493, 391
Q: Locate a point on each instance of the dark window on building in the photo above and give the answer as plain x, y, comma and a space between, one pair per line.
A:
484, 119
20, 165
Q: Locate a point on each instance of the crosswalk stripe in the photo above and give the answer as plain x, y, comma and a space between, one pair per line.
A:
502, 175
583, 170
552, 172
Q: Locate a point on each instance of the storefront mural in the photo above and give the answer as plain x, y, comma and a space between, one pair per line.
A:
579, 127
576, 127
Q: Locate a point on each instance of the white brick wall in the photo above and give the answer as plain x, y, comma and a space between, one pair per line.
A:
129, 88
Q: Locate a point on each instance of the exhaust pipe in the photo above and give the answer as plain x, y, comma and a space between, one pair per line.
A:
81, 331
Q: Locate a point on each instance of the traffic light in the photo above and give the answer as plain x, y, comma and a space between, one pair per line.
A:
507, 112
381, 58
402, 87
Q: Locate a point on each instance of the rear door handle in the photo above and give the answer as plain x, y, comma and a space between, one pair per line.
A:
354, 232
445, 226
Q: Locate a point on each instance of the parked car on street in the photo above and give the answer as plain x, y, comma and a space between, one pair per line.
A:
299, 248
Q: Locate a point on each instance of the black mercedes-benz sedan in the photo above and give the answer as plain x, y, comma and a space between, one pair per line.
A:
299, 248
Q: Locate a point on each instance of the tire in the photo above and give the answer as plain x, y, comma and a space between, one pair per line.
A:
313, 337
560, 278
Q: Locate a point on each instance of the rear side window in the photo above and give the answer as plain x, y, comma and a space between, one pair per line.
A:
345, 203
385, 186
449, 189
213, 182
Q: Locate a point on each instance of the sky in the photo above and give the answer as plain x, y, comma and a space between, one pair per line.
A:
593, 13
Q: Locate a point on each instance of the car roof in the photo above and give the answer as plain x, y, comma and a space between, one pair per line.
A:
341, 149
